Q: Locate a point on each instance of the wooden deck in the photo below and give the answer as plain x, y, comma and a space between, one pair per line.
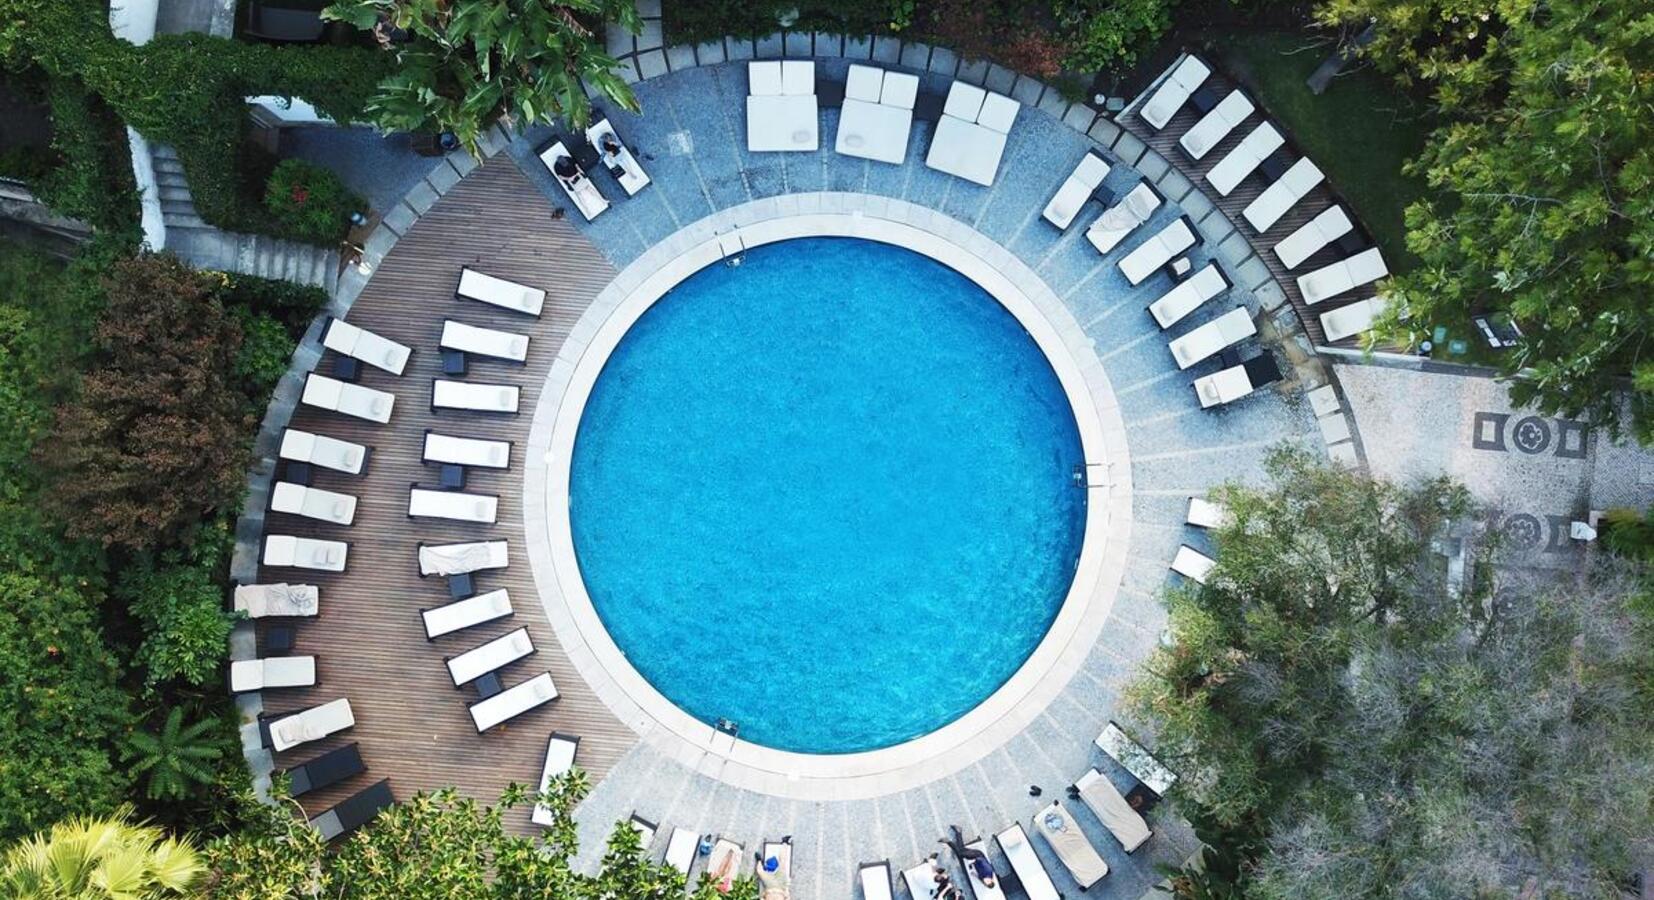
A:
411, 722
1165, 142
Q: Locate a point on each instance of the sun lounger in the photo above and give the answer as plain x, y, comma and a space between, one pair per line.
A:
775, 885
1245, 158
1231, 327
484, 658
462, 451
359, 343
338, 396
874, 878
1216, 124
272, 672
920, 879
1070, 844
1157, 250
454, 505
312, 503
781, 106
1121, 219
1204, 513
680, 849
1188, 295
468, 613
1332, 224
311, 724
488, 342
353, 813
723, 865
1349, 321
458, 559
1236, 382
560, 752
1329, 281
1174, 92
1036, 882
970, 136
319, 450
645, 830
1268, 207
474, 397
877, 115
474, 285
573, 180
513, 702
305, 553
1191, 563
630, 176
1075, 191
326, 770
979, 890
1110, 808
1135, 759
265, 601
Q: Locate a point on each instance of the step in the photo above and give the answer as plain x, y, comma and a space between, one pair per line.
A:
162, 151
183, 220
175, 204
171, 178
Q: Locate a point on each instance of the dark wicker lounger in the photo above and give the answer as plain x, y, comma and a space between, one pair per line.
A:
354, 812
330, 768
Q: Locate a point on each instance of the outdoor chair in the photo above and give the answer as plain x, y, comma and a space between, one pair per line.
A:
782, 114
313, 724
1347, 274
877, 114
1158, 250
625, 168
488, 342
262, 601
1070, 844
468, 613
1110, 807
1075, 191
359, 343
305, 553
1330, 225
513, 702
1277, 199
1210, 338
272, 672
970, 135
338, 396
1349, 321
1188, 295
463, 451
1192, 564
568, 174
488, 657
474, 285
473, 396
352, 813
1174, 92
1216, 125
424, 503
1036, 882
1120, 220
1244, 159
312, 503
560, 753
326, 770
460, 559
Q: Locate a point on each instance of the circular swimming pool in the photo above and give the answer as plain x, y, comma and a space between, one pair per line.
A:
827, 494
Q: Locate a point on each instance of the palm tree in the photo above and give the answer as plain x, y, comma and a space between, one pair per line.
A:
175, 758
95, 858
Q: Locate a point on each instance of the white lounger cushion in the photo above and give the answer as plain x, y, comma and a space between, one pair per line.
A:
311, 725
680, 850
1240, 162
351, 399
1123, 218
1204, 513
1157, 251
461, 507
1077, 189
496, 654
1318, 232
634, 178
579, 186
1349, 321
1192, 563
457, 559
484, 341
461, 451
1036, 882
920, 879
1226, 386
381, 353
1056, 824
305, 553
320, 450
1329, 281
1232, 326
312, 503
1216, 124
560, 750
1174, 92
513, 702
474, 396
877, 115
1188, 295
1104, 801
273, 672
1268, 207
474, 285
781, 106
467, 613
260, 601
970, 137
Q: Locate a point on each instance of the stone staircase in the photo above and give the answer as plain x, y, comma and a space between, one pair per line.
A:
191, 239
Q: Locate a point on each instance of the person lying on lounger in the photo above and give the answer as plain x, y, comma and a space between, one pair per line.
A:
975, 860
611, 155
773, 884
566, 168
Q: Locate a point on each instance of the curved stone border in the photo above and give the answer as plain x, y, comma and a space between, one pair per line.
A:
990, 724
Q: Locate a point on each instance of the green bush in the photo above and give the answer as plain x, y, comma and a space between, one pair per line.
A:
266, 351
1105, 34
294, 305
91, 179
177, 598
309, 202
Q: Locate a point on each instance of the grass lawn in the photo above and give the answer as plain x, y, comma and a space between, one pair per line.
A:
1359, 131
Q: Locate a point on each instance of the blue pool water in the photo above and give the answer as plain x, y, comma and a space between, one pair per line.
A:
827, 494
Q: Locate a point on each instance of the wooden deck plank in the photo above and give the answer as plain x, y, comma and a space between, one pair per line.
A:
412, 723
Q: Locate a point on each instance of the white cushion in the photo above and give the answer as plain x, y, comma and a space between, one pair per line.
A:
999, 112
764, 78
798, 78
964, 101
1216, 124
1318, 232
864, 83
1174, 92
901, 90
1349, 321
777, 124
965, 149
873, 131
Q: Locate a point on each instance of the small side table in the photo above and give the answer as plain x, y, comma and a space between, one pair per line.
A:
1351, 244
299, 472
1179, 267
1204, 100
278, 639
461, 586
1273, 167
453, 362
347, 368
488, 685
451, 477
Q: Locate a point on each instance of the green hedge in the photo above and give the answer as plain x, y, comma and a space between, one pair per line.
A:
92, 178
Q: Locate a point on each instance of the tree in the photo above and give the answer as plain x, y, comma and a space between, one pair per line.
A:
157, 439
178, 598
1363, 727
174, 759
1543, 181
472, 61
96, 858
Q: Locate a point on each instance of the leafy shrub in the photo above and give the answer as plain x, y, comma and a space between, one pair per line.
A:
294, 305
91, 179
175, 758
309, 202
177, 597
266, 351
1103, 34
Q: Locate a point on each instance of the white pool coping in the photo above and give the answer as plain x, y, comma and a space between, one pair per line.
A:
993, 722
